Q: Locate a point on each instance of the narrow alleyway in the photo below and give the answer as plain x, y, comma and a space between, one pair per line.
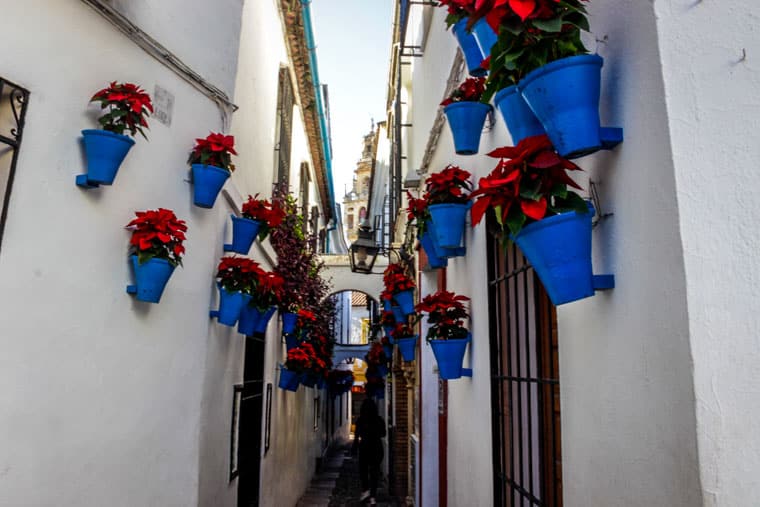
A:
337, 483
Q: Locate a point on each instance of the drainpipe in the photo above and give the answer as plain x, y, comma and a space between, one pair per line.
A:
306, 10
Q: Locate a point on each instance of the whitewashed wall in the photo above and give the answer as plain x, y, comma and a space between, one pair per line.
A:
108, 401
712, 107
629, 434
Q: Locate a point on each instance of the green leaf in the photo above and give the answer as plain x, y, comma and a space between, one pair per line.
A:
515, 221
553, 25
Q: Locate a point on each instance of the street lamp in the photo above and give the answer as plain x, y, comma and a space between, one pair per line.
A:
364, 250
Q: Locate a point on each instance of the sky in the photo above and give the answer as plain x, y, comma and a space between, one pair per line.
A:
353, 50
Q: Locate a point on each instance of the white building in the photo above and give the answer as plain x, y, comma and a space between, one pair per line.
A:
108, 401
645, 394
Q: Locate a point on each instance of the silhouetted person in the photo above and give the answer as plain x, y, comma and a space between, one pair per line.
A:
370, 430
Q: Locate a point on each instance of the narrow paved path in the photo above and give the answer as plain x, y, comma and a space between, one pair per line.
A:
337, 484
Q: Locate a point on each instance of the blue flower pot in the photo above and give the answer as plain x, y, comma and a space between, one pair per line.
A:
559, 249
472, 55
446, 253
289, 322
398, 314
466, 120
208, 181
264, 317
386, 305
244, 232
291, 341
519, 117
308, 380
150, 279
230, 306
485, 36
405, 300
289, 380
564, 96
449, 355
434, 261
448, 221
407, 347
321, 382
249, 316
388, 330
388, 349
105, 152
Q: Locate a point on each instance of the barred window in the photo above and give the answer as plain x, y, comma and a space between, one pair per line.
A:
13, 102
285, 103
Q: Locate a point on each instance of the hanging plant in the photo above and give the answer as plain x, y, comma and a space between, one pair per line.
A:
156, 248
466, 113
447, 334
211, 164
447, 195
126, 108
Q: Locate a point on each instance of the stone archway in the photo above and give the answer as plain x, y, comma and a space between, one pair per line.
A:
338, 273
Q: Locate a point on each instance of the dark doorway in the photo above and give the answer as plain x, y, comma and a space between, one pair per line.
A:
251, 406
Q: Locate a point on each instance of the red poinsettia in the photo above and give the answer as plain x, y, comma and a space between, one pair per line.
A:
266, 289
157, 233
269, 214
529, 183
215, 150
376, 354
446, 315
457, 10
387, 318
471, 90
128, 107
300, 359
396, 280
451, 185
238, 273
402, 331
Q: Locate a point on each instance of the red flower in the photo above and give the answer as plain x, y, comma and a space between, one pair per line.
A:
128, 107
529, 182
450, 185
402, 331
270, 215
446, 314
238, 274
396, 280
471, 90
157, 233
214, 150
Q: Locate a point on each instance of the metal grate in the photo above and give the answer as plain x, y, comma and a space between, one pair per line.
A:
525, 384
13, 102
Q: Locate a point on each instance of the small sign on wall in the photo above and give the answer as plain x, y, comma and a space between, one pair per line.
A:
163, 105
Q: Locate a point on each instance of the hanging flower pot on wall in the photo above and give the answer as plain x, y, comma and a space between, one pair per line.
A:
259, 216
244, 232
289, 320
449, 222
127, 107
519, 117
405, 300
434, 260
447, 194
485, 36
210, 161
466, 121
564, 96
230, 306
156, 245
449, 354
289, 380
253, 320
407, 347
470, 49
446, 253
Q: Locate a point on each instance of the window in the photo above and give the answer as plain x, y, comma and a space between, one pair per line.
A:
362, 213
527, 460
285, 103
13, 102
350, 221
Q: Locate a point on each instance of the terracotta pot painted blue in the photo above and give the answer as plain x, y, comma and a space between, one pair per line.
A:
249, 316
291, 341
405, 300
244, 232
289, 322
448, 221
150, 279
519, 117
564, 96
407, 347
388, 351
264, 317
466, 120
105, 152
388, 330
559, 249
472, 55
446, 253
434, 261
289, 380
230, 306
386, 305
308, 380
208, 181
449, 355
398, 314
485, 36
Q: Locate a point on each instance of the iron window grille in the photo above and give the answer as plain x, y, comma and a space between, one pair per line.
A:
285, 104
527, 461
13, 102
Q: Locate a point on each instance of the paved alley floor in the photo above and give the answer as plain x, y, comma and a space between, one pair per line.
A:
337, 484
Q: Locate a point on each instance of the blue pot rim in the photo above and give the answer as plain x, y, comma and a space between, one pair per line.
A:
553, 220
240, 219
407, 338
454, 340
451, 205
108, 133
556, 65
152, 259
202, 167
504, 92
467, 104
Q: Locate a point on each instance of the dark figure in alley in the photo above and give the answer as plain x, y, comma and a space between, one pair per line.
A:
370, 430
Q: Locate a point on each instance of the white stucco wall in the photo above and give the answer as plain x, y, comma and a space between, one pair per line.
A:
628, 424
713, 107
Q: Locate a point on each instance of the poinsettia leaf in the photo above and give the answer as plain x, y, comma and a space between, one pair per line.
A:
498, 210
504, 152
515, 222
534, 209
545, 159
479, 209
551, 25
